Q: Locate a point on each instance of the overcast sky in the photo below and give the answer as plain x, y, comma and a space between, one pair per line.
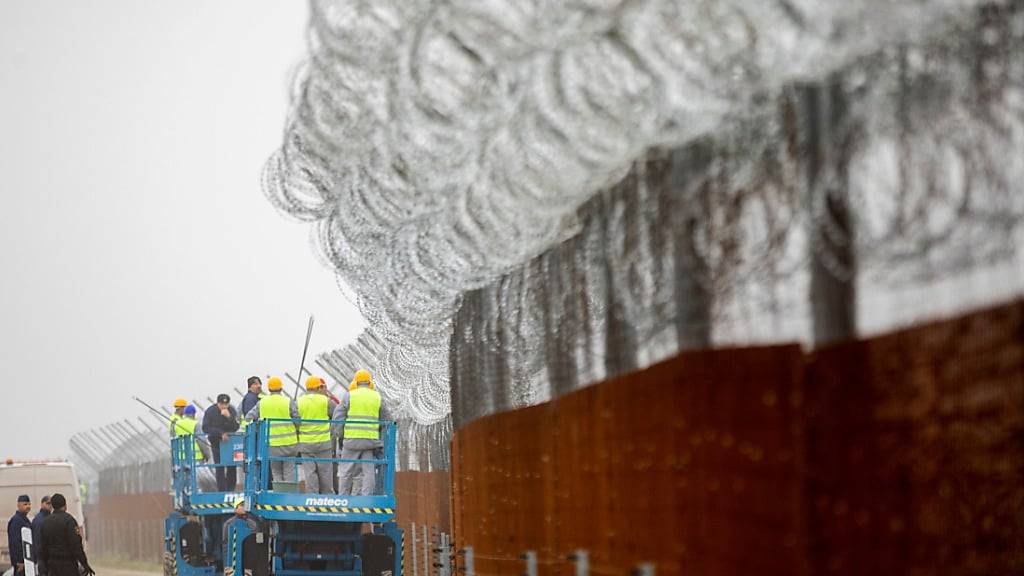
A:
139, 255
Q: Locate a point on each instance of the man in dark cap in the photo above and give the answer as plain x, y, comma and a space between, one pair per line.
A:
60, 549
252, 397
14, 545
220, 420
37, 523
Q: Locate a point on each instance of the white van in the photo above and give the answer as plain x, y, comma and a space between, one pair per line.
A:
37, 479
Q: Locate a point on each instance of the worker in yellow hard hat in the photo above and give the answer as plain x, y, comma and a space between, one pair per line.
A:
284, 439
179, 413
315, 437
362, 412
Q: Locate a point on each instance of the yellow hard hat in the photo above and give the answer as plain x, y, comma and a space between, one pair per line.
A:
314, 382
180, 403
274, 384
238, 502
361, 376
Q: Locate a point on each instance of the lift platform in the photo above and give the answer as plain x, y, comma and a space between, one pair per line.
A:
298, 533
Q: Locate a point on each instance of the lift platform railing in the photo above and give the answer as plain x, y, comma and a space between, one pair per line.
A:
285, 502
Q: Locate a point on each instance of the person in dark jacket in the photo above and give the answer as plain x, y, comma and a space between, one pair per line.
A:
15, 547
220, 420
60, 549
37, 523
252, 397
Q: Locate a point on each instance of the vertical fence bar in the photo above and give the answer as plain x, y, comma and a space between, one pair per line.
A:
426, 552
530, 557
581, 559
412, 531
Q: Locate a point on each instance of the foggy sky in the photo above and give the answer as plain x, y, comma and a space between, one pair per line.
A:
138, 255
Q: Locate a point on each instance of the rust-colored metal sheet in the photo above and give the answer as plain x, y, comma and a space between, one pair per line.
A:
128, 526
688, 464
423, 499
916, 444
898, 455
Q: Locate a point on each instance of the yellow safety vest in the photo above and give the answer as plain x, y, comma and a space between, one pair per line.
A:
314, 407
279, 406
174, 418
363, 414
187, 427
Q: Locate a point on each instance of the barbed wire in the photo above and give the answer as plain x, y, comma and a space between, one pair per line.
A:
438, 146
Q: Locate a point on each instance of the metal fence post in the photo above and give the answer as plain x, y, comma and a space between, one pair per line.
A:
581, 559
426, 552
467, 561
530, 557
412, 531
645, 569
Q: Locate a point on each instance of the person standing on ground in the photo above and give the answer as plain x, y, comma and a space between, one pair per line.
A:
283, 438
220, 420
179, 413
19, 520
315, 437
37, 523
360, 433
60, 549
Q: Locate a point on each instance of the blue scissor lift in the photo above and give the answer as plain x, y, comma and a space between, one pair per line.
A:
299, 534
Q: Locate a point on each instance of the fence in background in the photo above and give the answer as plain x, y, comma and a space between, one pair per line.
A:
895, 455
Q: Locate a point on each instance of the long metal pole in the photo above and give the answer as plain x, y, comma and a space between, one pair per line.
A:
305, 348
121, 444
96, 443
131, 440
83, 452
127, 442
149, 438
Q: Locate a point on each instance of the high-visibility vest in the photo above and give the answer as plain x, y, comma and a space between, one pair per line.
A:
314, 407
363, 414
187, 427
279, 406
174, 418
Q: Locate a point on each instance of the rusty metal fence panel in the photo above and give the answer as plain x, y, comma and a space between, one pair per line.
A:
897, 455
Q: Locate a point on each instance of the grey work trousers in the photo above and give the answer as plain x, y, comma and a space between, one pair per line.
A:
318, 474
284, 471
358, 449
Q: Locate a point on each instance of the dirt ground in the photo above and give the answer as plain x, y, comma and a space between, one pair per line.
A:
102, 570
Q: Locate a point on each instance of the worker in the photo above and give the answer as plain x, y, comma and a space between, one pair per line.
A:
220, 420
60, 549
241, 516
186, 426
37, 522
315, 437
179, 411
362, 412
14, 545
283, 434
